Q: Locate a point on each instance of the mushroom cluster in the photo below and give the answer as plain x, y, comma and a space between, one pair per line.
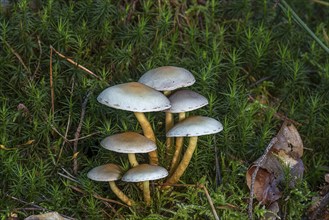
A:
154, 92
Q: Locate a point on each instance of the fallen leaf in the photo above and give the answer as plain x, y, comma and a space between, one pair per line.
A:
75, 155
289, 140
265, 187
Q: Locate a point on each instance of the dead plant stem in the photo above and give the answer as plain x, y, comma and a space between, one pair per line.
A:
77, 134
253, 177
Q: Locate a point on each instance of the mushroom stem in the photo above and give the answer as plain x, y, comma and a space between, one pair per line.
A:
169, 125
179, 146
120, 194
132, 159
184, 163
148, 132
146, 191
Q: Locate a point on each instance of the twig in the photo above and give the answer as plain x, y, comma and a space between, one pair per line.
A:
253, 177
74, 139
77, 134
35, 206
260, 81
39, 59
84, 137
68, 173
321, 2
322, 204
98, 196
54, 129
18, 56
74, 63
51, 81
67, 177
68, 123
200, 186
218, 173
210, 202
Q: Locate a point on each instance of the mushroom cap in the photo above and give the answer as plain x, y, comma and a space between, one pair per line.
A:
134, 96
167, 78
128, 142
186, 100
195, 126
105, 173
144, 172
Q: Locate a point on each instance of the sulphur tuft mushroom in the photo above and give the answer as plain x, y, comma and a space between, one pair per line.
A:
109, 173
167, 79
129, 143
191, 127
144, 173
181, 102
138, 98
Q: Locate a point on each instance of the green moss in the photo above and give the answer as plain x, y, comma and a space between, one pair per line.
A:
235, 49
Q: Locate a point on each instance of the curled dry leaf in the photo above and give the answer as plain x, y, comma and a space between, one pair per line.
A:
265, 187
289, 140
285, 153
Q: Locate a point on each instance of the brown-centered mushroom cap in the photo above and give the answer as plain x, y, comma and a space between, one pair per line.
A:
105, 173
135, 97
128, 142
144, 172
195, 126
186, 100
167, 78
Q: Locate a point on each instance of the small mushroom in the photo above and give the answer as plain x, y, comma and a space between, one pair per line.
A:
191, 127
138, 98
181, 102
167, 79
129, 143
144, 173
110, 173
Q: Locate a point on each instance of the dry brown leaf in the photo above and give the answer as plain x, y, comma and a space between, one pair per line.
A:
285, 153
265, 187
289, 140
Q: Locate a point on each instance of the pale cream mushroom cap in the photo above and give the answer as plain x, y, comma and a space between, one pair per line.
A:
135, 97
144, 172
195, 126
186, 100
167, 78
105, 173
128, 142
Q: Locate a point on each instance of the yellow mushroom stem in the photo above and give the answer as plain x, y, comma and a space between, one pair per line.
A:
174, 178
132, 159
178, 146
120, 194
148, 132
133, 162
169, 123
146, 191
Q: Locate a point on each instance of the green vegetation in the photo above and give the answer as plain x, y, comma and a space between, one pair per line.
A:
250, 59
